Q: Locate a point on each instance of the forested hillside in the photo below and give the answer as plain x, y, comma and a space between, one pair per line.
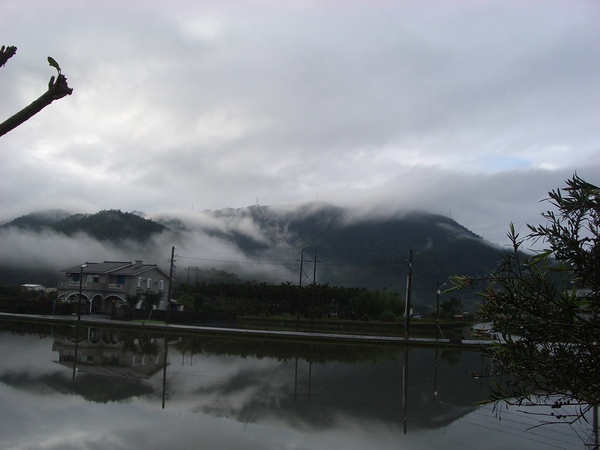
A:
351, 250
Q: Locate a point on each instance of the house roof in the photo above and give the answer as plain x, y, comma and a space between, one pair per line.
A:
125, 268
104, 267
135, 270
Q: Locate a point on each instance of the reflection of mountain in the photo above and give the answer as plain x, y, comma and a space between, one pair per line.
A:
95, 389
365, 383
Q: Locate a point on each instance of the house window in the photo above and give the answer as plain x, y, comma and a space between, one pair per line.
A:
149, 283
120, 279
161, 285
89, 278
140, 282
75, 277
96, 278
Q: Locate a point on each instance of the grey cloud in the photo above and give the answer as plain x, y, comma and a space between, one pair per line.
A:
214, 105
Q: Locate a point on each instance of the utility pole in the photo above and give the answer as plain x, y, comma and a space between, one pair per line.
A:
314, 285
299, 290
408, 293
437, 307
314, 282
83, 266
437, 311
170, 285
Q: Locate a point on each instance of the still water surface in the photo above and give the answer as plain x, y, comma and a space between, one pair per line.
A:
231, 393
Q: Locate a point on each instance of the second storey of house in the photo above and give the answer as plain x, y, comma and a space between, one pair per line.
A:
116, 277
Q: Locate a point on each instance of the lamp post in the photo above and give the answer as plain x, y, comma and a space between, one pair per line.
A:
437, 313
83, 266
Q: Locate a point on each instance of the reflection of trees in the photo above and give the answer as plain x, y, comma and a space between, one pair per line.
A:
21, 329
286, 350
451, 356
140, 343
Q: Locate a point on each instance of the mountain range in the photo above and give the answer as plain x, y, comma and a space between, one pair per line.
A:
334, 245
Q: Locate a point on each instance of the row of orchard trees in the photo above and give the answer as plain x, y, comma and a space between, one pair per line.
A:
315, 301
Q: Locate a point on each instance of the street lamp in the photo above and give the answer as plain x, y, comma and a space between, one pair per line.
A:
437, 313
83, 266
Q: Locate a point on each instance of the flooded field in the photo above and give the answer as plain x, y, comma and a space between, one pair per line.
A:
94, 388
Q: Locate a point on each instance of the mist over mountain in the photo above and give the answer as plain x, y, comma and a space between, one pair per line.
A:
38, 220
264, 243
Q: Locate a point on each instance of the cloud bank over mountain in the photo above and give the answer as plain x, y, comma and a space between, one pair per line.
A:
469, 109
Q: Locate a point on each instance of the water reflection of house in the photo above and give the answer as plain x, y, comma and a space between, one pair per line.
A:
104, 352
104, 286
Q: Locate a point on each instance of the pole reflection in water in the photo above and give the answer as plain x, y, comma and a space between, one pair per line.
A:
309, 381
310, 362
165, 362
76, 348
435, 375
296, 381
405, 390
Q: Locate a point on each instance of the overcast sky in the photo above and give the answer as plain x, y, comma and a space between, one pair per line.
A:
474, 109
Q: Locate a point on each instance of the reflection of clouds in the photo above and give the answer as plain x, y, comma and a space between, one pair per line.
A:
68, 422
27, 353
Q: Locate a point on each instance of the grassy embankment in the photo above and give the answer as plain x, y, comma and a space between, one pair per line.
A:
418, 328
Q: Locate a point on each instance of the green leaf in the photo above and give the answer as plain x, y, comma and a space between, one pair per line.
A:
53, 63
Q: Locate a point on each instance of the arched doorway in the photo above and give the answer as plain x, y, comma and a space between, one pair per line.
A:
97, 304
84, 303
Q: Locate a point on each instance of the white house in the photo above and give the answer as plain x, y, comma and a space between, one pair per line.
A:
104, 286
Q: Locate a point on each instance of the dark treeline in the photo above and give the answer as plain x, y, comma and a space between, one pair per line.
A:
284, 350
14, 299
318, 301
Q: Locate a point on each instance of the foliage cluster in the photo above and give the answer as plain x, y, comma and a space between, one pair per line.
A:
16, 293
546, 305
316, 301
15, 299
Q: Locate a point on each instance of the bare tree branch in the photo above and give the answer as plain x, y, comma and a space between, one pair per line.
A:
56, 90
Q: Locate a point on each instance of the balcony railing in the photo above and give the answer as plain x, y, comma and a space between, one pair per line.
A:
102, 286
